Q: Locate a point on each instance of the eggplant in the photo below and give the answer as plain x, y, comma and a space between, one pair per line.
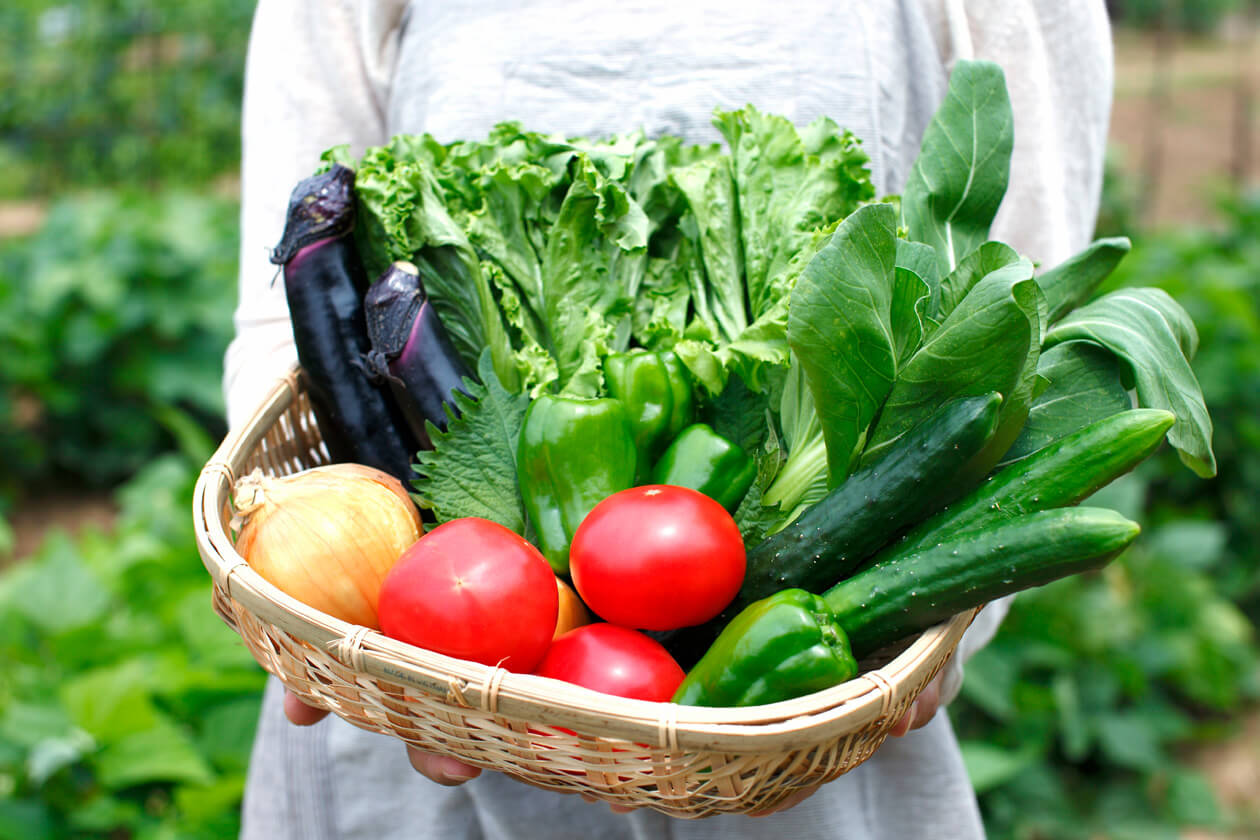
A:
411, 349
324, 282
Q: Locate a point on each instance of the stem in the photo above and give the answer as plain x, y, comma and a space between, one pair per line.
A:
805, 464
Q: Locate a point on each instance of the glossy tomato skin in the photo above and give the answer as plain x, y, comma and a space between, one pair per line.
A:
657, 557
472, 589
614, 660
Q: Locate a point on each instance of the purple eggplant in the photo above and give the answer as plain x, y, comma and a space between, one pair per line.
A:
323, 282
411, 350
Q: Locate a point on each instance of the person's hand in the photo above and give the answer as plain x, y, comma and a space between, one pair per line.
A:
922, 710
447, 771
436, 768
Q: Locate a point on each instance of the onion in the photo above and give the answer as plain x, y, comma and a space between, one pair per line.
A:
327, 535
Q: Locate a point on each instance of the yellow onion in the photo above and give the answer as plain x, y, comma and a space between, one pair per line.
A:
327, 535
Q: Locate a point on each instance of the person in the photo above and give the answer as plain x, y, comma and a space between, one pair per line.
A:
327, 72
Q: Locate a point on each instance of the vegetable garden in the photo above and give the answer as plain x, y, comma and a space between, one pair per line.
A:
126, 708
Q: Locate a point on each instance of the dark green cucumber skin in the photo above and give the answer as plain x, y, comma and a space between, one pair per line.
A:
1064, 473
896, 598
832, 538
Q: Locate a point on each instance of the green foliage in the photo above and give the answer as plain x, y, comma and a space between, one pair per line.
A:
102, 91
127, 708
1074, 718
1197, 16
114, 318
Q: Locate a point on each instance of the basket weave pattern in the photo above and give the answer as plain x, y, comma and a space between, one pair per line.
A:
683, 761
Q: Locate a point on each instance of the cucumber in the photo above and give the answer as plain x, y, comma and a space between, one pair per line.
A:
1064, 473
826, 543
895, 598
915, 478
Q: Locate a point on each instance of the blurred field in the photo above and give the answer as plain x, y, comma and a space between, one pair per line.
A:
1186, 120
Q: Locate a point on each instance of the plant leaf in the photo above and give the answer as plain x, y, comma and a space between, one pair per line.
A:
840, 328
974, 267
1083, 386
162, 753
988, 343
1156, 338
719, 293
913, 317
960, 176
1071, 283
471, 470
791, 185
990, 766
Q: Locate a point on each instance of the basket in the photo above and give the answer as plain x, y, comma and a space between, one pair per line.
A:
682, 761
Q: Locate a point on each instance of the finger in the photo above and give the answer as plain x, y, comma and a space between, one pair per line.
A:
927, 705
441, 769
902, 726
301, 714
921, 711
791, 801
620, 809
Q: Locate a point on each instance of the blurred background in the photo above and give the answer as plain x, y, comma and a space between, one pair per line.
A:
1122, 705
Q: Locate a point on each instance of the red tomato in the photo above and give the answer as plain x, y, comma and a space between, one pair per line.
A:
473, 589
657, 557
614, 660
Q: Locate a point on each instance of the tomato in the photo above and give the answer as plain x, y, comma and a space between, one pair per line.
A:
657, 557
614, 660
472, 589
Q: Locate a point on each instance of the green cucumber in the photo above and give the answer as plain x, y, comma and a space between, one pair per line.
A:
826, 543
895, 598
914, 479
1063, 473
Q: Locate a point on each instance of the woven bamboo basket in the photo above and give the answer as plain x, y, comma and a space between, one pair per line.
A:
683, 761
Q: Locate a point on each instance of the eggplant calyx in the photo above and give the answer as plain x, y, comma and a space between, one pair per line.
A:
320, 207
375, 366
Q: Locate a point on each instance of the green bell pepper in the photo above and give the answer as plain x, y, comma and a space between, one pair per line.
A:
703, 460
656, 391
573, 453
783, 646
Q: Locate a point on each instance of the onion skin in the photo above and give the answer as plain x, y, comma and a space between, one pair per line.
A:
326, 536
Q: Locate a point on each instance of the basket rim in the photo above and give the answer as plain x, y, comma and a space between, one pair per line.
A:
865, 700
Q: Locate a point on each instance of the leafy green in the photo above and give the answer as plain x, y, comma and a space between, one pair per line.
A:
801, 479
959, 178
471, 469
1082, 385
713, 223
1156, 338
791, 186
916, 295
1072, 282
591, 270
977, 265
984, 345
840, 328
